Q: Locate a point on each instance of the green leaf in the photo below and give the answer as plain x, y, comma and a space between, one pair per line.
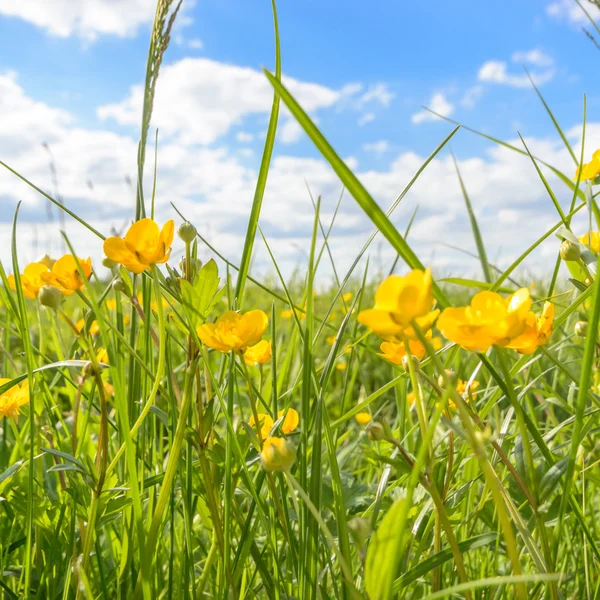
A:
381, 555
552, 478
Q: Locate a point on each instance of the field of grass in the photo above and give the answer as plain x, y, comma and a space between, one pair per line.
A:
187, 431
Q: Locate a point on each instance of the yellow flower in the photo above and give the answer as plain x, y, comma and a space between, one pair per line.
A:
537, 331
111, 304
102, 356
330, 339
233, 331
399, 301
259, 354
143, 245
341, 366
277, 454
289, 424
395, 352
265, 422
94, 327
490, 319
461, 387
65, 275
109, 389
411, 398
347, 297
31, 279
362, 418
287, 314
591, 240
590, 170
12, 400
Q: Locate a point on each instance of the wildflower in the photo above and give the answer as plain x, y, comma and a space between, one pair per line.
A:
395, 352
277, 454
143, 245
341, 366
109, 389
589, 170
463, 390
289, 424
490, 319
362, 418
375, 431
399, 301
111, 304
347, 297
187, 232
537, 331
410, 397
569, 250
265, 422
287, 314
31, 279
13, 399
591, 240
330, 339
47, 260
259, 354
102, 356
234, 331
94, 327
65, 275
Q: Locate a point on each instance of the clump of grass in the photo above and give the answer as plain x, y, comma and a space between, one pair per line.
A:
168, 433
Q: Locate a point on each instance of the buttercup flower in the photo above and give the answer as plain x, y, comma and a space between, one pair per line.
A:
12, 400
399, 301
362, 418
65, 275
277, 454
143, 245
234, 331
490, 319
31, 279
591, 240
289, 424
94, 327
461, 387
590, 170
259, 354
537, 331
395, 352
102, 356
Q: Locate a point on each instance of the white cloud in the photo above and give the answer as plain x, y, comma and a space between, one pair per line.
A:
213, 187
87, 19
495, 71
244, 137
569, 10
289, 132
379, 147
438, 104
195, 44
533, 57
366, 118
472, 96
198, 100
378, 93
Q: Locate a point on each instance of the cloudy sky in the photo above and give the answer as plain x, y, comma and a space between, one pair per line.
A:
71, 74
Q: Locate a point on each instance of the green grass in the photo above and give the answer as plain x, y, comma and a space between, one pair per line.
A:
157, 490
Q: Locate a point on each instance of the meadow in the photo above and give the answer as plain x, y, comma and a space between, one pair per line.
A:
184, 430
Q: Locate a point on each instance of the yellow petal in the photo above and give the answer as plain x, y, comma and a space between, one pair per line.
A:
291, 421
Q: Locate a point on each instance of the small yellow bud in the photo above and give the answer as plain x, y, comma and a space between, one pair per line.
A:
277, 454
187, 232
569, 250
50, 296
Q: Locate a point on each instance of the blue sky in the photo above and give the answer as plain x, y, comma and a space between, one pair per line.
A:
68, 72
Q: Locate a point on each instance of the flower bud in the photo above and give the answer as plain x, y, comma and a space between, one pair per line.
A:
109, 263
416, 363
50, 296
375, 431
581, 328
450, 376
119, 285
588, 281
277, 454
195, 266
569, 250
187, 232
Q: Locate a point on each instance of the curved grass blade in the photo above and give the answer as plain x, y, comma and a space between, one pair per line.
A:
263, 173
353, 185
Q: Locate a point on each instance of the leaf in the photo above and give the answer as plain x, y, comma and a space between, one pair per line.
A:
11, 471
381, 555
65, 456
551, 479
